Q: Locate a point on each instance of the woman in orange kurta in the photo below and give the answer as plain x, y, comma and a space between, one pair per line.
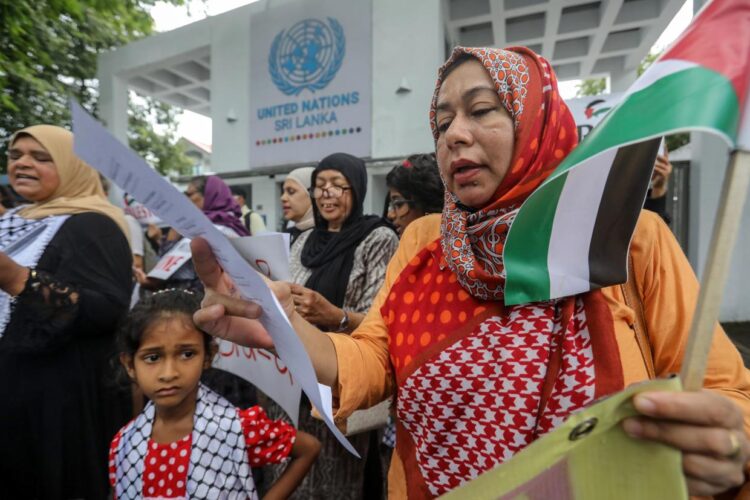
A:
476, 381
664, 278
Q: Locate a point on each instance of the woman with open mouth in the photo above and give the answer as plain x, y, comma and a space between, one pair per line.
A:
65, 275
337, 268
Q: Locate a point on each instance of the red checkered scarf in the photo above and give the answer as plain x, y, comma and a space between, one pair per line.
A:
544, 134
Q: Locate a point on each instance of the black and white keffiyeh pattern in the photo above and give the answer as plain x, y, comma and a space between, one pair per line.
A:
13, 227
24, 240
219, 465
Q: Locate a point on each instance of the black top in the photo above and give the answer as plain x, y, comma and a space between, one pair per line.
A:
658, 205
58, 406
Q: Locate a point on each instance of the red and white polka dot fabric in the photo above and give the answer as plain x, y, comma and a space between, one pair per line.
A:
166, 469
268, 441
167, 464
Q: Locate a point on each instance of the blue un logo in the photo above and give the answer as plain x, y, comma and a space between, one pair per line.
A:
306, 56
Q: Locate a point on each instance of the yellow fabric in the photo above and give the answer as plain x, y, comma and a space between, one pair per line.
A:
669, 291
80, 189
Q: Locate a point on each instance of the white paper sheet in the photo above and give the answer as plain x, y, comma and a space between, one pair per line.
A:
100, 149
172, 260
268, 253
325, 395
266, 371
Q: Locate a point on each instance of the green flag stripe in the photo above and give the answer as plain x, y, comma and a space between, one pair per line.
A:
526, 262
693, 98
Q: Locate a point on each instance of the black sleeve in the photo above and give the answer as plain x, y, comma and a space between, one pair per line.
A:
81, 287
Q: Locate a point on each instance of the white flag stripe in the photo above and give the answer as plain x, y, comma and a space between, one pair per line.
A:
577, 208
743, 134
657, 71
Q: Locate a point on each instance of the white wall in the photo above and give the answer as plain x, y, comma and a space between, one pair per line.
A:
707, 172
408, 43
230, 98
400, 124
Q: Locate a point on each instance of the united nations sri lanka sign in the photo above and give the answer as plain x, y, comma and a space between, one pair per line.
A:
307, 56
311, 86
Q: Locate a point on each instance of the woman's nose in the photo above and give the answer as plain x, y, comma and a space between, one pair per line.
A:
458, 132
22, 161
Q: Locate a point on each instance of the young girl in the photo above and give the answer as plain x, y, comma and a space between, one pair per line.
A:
189, 442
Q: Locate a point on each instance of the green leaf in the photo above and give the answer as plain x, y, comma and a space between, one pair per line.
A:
49, 54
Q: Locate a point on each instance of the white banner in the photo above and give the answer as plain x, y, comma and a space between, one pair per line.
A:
311, 67
589, 111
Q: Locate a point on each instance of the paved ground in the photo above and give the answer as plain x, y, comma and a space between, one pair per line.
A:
740, 334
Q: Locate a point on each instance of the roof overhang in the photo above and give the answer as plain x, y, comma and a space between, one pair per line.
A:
581, 38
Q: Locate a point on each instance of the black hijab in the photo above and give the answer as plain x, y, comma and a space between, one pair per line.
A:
330, 255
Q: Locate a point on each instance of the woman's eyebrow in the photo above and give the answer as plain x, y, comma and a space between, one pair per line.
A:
466, 96
322, 180
33, 151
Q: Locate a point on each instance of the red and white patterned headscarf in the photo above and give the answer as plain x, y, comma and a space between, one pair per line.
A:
545, 133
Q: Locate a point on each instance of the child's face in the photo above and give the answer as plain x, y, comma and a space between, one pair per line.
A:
168, 364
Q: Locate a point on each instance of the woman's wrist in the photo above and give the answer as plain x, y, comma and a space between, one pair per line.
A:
16, 280
343, 324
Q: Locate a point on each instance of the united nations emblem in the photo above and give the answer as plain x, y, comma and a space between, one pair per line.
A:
306, 56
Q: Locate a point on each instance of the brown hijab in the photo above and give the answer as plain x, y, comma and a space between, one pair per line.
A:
79, 190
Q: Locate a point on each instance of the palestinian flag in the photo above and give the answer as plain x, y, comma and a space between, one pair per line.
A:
572, 234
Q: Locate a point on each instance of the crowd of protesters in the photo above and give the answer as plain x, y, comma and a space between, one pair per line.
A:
108, 391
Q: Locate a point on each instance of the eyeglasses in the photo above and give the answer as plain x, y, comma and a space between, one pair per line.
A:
396, 204
330, 192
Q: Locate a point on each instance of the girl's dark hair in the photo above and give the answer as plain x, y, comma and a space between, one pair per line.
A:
149, 311
418, 179
199, 181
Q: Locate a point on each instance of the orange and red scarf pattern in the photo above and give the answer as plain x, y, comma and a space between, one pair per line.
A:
545, 133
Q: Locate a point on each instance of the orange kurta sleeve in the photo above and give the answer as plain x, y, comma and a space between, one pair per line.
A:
365, 377
669, 291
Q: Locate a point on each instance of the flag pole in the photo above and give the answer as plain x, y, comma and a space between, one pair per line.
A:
724, 237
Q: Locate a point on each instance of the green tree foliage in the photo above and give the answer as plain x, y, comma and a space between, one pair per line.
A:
647, 61
48, 51
159, 149
592, 86
596, 86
